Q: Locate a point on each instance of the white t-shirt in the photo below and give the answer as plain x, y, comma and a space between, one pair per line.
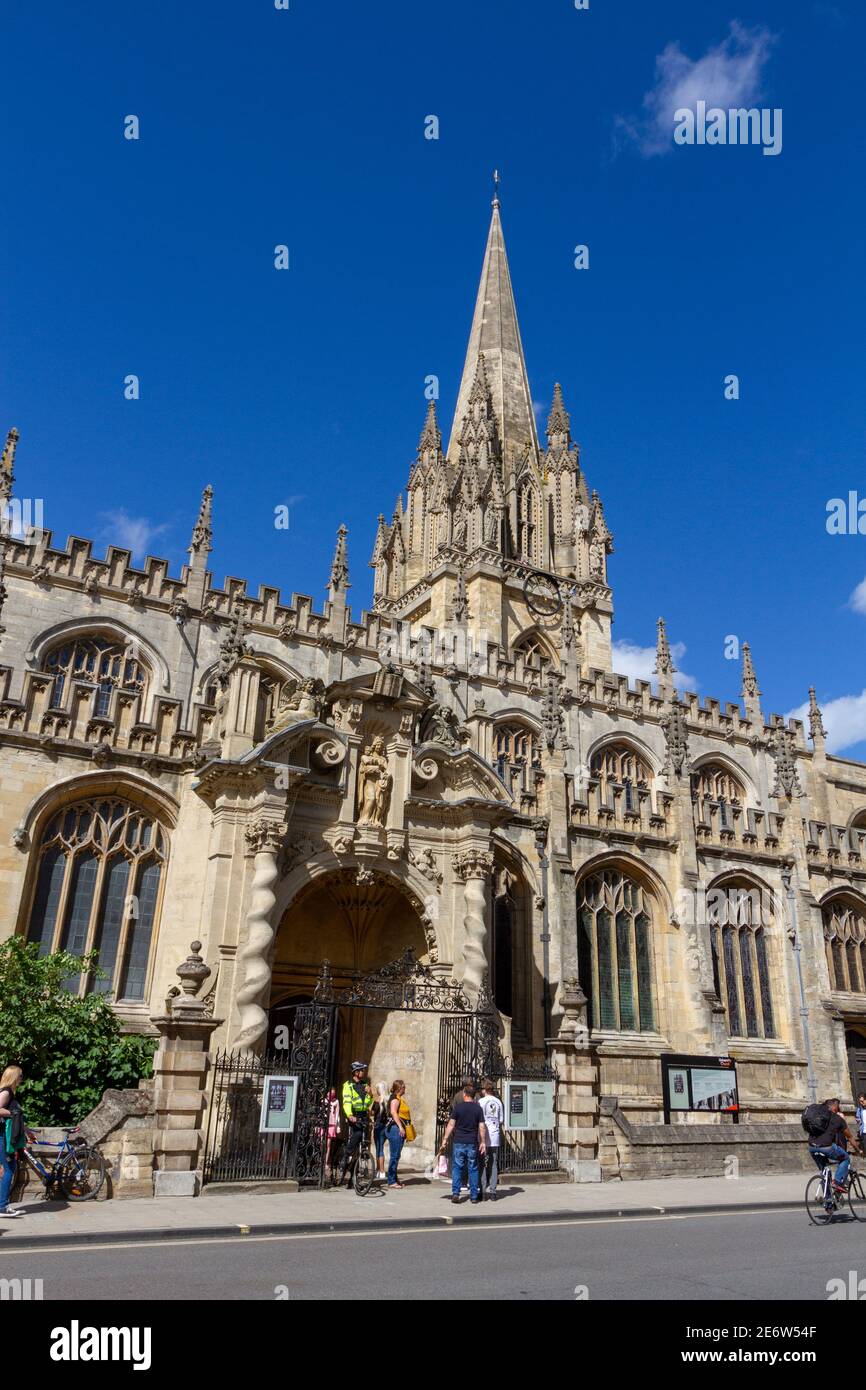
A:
493, 1117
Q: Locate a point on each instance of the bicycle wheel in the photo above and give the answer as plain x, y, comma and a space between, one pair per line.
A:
857, 1197
818, 1213
365, 1172
82, 1174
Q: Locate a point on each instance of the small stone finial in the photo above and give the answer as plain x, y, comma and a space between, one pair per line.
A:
233, 646
480, 386
339, 580
7, 465
558, 421
817, 732
202, 532
431, 435
192, 972
664, 661
750, 680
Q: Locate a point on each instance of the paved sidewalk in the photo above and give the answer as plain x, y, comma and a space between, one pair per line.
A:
420, 1204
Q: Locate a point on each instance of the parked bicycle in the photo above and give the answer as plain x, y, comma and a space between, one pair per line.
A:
823, 1202
77, 1172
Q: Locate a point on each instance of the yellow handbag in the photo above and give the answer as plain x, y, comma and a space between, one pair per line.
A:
407, 1121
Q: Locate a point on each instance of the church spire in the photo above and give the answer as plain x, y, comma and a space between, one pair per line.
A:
495, 335
817, 732
339, 581
664, 667
750, 693
202, 532
7, 461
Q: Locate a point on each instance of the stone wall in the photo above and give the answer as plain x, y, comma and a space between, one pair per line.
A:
121, 1127
708, 1150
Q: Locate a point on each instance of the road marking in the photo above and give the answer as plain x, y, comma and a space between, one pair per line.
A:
444, 1229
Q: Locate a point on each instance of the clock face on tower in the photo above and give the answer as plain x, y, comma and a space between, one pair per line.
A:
543, 598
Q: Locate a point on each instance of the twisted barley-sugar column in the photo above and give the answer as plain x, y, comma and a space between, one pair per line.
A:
473, 868
265, 839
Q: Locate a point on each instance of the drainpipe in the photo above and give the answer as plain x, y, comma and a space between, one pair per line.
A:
793, 932
541, 826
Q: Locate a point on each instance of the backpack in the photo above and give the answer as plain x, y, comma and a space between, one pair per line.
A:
815, 1119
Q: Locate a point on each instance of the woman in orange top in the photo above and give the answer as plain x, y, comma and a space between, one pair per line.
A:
399, 1129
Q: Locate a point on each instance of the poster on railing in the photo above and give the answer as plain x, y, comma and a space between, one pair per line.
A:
529, 1105
279, 1098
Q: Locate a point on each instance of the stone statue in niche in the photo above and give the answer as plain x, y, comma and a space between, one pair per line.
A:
441, 725
374, 784
459, 535
298, 700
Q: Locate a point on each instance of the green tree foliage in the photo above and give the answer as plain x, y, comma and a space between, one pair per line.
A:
70, 1049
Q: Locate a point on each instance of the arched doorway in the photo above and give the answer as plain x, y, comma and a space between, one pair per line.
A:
359, 927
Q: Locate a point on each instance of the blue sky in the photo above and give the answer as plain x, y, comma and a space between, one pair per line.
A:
305, 127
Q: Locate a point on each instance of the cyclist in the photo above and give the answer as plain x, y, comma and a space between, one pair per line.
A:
357, 1104
829, 1137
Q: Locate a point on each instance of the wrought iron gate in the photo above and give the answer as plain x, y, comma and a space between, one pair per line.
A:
235, 1151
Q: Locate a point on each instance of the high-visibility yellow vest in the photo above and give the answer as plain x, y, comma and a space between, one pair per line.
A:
353, 1104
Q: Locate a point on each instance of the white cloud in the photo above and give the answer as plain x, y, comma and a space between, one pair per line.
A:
728, 75
857, 601
844, 719
637, 663
133, 533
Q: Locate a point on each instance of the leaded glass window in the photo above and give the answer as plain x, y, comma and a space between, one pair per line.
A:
614, 915
103, 662
517, 753
716, 789
618, 765
845, 942
100, 869
740, 965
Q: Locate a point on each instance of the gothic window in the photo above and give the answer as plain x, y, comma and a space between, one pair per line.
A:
740, 967
618, 765
527, 521
614, 915
100, 867
517, 753
534, 653
103, 662
714, 788
845, 943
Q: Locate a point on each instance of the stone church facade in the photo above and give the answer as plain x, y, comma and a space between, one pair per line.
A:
459, 771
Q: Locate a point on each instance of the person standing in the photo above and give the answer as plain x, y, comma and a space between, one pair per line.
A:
470, 1140
380, 1125
13, 1136
400, 1129
357, 1104
494, 1114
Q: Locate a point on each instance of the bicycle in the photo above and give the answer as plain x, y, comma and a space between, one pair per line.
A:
364, 1175
77, 1173
823, 1202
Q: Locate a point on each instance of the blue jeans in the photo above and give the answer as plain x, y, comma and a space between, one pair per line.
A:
833, 1151
7, 1172
461, 1155
395, 1148
379, 1140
